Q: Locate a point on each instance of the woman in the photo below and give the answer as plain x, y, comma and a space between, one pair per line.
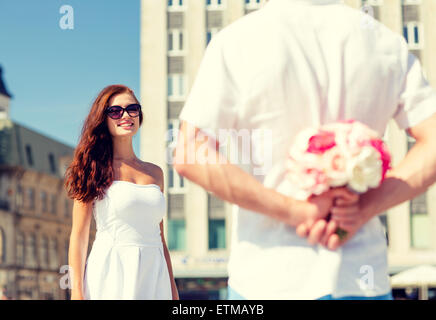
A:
129, 257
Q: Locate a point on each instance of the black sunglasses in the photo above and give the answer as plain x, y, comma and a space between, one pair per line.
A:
116, 112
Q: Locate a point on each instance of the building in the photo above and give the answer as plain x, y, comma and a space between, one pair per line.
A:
35, 212
174, 35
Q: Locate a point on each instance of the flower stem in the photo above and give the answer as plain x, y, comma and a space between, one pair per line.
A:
341, 233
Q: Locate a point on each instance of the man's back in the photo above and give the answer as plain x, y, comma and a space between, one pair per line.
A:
322, 63
289, 66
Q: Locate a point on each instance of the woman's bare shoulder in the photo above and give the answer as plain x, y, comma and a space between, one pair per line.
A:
153, 170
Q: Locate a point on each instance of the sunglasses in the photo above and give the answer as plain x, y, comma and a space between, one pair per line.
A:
116, 112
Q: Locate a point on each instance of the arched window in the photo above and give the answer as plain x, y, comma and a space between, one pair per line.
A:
19, 197
20, 249
2, 246
53, 253
31, 258
44, 253
66, 249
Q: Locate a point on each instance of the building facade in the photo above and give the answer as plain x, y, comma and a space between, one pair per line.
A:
35, 212
174, 35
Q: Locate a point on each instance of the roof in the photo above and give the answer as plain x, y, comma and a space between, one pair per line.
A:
417, 276
3, 89
26, 148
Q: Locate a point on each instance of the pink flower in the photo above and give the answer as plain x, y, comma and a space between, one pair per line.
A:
321, 142
349, 121
344, 153
315, 180
385, 156
308, 178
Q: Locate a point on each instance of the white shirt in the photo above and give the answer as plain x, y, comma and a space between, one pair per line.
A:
289, 66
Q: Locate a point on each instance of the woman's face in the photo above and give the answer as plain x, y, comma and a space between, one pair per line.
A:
126, 125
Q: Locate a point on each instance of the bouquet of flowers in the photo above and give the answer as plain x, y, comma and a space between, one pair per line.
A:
336, 155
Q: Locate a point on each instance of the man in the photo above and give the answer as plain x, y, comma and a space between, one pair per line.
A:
291, 65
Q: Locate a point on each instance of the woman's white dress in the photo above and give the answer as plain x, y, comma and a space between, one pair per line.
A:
127, 259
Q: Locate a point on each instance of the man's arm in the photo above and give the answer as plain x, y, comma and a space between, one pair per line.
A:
232, 184
413, 175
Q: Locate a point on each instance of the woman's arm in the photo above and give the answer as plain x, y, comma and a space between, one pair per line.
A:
160, 181
170, 269
82, 215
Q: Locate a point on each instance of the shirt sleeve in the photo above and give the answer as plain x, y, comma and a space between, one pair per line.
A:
417, 100
212, 101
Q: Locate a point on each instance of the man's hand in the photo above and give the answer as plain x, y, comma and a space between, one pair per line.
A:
316, 210
345, 213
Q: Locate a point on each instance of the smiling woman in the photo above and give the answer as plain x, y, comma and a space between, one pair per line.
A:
91, 172
129, 257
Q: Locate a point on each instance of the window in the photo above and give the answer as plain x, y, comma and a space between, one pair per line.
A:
176, 87
66, 249
176, 222
411, 2
53, 203
44, 259
19, 197
176, 5
29, 155
372, 2
30, 197
254, 4
413, 33
176, 183
177, 234
210, 33
20, 249
170, 41
216, 223
175, 42
420, 223
51, 161
2, 246
214, 4
372, 7
53, 253
31, 251
43, 195
217, 234
67, 208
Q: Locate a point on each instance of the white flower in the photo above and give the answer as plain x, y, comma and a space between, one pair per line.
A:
365, 170
335, 167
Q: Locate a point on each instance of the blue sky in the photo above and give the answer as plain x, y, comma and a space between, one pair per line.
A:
54, 74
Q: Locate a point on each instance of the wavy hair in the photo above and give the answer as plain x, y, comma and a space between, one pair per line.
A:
91, 172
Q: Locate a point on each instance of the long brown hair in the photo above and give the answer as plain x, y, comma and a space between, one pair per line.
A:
91, 173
